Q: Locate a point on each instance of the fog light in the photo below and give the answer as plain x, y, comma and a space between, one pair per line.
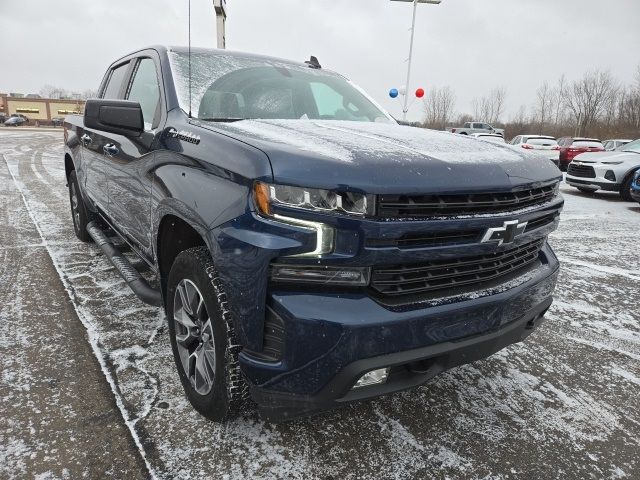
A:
373, 377
610, 176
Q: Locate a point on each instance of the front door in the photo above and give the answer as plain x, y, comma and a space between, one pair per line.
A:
95, 179
130, 160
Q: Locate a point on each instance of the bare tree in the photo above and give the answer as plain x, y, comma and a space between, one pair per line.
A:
629, 108
491, 107
545, 98
89, 93
587, 98
51, 91
560, 99
438, 107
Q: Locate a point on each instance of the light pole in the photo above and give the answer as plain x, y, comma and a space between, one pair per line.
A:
405, 108
221, 19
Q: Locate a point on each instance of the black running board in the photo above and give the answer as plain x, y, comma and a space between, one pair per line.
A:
136, 282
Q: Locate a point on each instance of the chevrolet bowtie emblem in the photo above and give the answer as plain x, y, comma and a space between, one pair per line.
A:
506, 233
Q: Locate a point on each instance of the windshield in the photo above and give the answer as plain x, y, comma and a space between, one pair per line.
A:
631, 147
230, 87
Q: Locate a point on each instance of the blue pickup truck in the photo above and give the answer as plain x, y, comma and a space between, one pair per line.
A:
307, 249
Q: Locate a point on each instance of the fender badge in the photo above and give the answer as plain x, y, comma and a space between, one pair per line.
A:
185, 136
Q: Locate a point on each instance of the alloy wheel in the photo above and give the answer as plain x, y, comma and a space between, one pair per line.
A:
75, 205
194, 336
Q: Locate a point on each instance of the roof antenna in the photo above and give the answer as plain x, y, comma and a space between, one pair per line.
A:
313, 62
190, 59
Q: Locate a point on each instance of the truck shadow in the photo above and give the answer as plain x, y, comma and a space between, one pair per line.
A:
606, 196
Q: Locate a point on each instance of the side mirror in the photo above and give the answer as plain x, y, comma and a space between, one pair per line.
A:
121, 117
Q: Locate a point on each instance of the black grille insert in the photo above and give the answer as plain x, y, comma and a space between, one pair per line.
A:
407, 206
273, 342
452, 273
541, 222
584, 171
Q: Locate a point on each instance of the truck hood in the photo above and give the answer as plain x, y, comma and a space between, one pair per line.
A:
385, 158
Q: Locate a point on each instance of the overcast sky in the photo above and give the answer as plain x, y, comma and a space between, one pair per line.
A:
470, 45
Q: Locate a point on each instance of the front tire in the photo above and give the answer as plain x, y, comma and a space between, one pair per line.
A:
203, 338
625, 188
79, 212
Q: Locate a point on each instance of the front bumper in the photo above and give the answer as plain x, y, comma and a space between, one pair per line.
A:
593, 184
334, 339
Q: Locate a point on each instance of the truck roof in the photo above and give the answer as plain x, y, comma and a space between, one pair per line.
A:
197, 50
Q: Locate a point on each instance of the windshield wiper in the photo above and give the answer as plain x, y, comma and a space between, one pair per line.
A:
223, 119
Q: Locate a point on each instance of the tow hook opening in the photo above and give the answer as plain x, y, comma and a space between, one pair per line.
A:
535, 321
421, 366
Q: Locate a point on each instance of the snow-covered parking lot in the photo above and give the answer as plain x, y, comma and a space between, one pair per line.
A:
88, 386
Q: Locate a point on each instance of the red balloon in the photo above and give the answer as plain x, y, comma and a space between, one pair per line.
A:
420, 92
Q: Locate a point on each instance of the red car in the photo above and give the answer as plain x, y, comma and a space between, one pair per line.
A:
570, 147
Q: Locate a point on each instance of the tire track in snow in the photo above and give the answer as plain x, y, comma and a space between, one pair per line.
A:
93, 338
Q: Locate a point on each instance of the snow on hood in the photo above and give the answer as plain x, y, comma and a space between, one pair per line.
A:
385, 157
344, 140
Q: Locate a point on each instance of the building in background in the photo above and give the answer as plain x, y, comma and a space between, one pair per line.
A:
39, 111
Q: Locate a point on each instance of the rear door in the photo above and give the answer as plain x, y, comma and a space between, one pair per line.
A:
130, 159
96, 180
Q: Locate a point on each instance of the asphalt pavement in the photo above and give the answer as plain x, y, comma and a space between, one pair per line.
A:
88, 387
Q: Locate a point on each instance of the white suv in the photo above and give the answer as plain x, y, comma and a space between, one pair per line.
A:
542, 144
609, 171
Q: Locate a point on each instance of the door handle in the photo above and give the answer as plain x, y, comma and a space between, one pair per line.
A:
110, 150
86, 139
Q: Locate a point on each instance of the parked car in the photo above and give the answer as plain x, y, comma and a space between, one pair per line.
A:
308, 252
635, 187
57, 121
572, 146
476, 127
489, 137
542, 144
16, 121
610, 145
612, 172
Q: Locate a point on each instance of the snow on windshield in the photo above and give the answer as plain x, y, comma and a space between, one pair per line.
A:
230, 86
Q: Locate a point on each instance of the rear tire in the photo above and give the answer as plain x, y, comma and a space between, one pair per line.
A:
203, 338
625, 188
79, 212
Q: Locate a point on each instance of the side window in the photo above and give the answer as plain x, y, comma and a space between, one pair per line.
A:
515, 141
112, 90
145, 90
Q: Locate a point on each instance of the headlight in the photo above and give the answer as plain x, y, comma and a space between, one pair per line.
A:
349, 203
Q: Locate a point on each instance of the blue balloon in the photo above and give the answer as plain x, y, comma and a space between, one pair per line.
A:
393, 93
